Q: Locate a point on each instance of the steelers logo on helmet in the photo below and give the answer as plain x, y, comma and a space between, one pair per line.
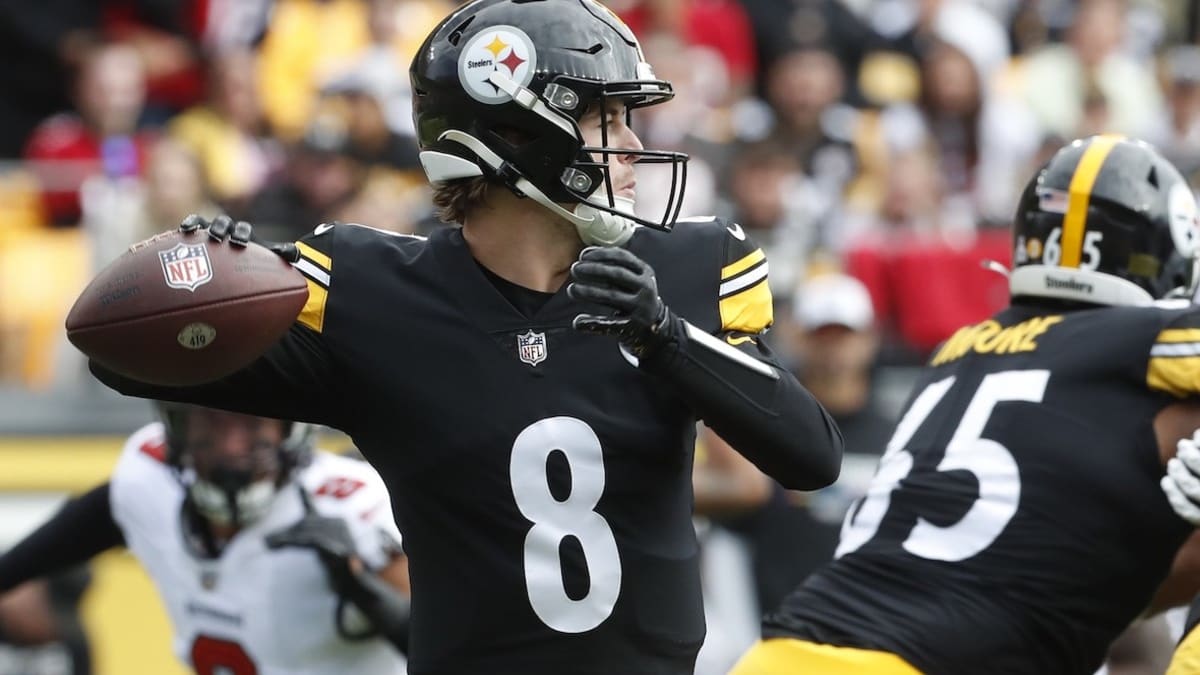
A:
1181, 209
506, 49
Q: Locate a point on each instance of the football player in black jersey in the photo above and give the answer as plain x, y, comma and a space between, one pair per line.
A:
1015, 523
528, 384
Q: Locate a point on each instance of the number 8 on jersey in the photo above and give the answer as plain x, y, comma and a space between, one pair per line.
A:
554, 520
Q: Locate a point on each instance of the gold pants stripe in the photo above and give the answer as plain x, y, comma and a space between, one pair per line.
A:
786, 656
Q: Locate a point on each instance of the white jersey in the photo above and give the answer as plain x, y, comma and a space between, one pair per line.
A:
254, 610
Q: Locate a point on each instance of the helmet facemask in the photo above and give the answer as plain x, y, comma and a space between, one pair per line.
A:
588, 180
232, 486
231, 497
490, 100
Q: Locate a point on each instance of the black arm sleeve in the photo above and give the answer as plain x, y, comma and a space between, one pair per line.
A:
82, 529
295, 380
764, 413
385, 606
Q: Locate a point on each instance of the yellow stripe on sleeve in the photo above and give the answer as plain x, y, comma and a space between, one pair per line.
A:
313, 314
1173, 335
316, 256
1080, 194
1175, 375
748, 311
743, 264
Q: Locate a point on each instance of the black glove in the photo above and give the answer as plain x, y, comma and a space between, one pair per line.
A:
616, 278
386, 608
238, 233
329, 537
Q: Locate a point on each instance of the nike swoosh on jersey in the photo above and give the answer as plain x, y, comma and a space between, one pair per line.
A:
322, 229
736, 230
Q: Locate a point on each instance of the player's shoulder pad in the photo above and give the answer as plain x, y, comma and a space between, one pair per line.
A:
344, 242
343, 485
1174, 364
743, 295
141, 477
728, 237
146, 447
350, 489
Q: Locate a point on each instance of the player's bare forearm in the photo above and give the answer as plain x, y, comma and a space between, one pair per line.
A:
760, 409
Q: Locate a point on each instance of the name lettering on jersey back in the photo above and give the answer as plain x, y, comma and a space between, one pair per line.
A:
221, 615
990, 337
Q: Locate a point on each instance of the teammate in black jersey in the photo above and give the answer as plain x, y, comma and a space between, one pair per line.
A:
531, 403
1015, 523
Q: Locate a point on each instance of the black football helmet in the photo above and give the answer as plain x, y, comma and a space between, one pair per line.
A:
225, 490
498, 90
1106, 221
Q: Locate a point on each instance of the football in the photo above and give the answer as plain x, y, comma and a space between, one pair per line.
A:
183, 309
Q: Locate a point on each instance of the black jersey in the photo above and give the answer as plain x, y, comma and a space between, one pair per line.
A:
1015, 523
542, 482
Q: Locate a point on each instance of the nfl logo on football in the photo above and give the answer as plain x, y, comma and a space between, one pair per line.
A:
186, 266
531, 347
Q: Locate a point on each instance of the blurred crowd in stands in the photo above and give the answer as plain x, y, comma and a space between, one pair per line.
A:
875, 148
885, 139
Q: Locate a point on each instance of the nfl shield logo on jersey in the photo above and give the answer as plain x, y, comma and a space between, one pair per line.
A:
531, 347
186, 266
